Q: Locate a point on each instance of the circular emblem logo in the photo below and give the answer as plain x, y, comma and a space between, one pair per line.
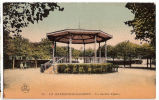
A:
25, 88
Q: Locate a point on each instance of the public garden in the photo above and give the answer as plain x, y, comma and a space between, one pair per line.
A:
120, 64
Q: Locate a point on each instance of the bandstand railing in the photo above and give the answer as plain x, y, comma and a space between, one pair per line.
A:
81, 60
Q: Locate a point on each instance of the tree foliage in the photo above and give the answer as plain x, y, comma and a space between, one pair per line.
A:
88, 53
111, 52
61, 51
146, 51
18, 15
126, 49
76, 53
45, 45
144, 21
18, 46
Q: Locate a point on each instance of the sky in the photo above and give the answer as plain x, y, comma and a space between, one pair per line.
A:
108, 17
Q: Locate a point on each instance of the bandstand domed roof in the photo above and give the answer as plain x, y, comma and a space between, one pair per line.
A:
78, 36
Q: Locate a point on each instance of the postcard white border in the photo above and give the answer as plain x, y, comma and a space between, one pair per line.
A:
119, 1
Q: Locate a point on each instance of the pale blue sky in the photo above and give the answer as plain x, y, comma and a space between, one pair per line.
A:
108, 17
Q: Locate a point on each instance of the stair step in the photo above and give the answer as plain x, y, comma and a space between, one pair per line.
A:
51, 70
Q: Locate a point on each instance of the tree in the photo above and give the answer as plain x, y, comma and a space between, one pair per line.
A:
131, 51
75, 53
88, 53
61, 51
18, 15
111, 52
126, 50
46, 47
17, 47
37, 52
144, 21
147, 51
121, 49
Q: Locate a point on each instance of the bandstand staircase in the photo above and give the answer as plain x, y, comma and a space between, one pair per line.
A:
52, 68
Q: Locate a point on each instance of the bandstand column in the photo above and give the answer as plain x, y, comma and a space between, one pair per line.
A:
53, 51
70, 49
95, 53
99, 53
106, 51
84, 53
68, 53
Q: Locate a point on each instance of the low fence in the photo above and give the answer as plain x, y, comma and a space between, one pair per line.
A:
27, 63
81, 60
32, 63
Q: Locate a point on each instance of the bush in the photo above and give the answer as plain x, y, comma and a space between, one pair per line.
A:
87, 68
121, 62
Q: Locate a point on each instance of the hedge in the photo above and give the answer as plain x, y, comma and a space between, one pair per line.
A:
87, 68
121, 62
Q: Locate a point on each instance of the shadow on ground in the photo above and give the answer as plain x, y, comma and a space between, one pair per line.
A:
140, 68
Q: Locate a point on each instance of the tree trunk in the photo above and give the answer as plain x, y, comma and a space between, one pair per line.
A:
150, 62
147, 62
124, 61
13, 63
36, 65
130, 61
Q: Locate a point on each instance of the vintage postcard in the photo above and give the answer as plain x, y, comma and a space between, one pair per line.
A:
79, 50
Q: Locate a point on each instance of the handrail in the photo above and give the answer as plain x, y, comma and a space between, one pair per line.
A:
58, 60
79, 60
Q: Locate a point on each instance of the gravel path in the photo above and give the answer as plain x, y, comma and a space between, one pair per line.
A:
127, 83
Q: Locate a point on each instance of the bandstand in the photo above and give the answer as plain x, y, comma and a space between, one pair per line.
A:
79, 36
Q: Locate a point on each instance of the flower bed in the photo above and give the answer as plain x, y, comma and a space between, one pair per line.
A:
87, 68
